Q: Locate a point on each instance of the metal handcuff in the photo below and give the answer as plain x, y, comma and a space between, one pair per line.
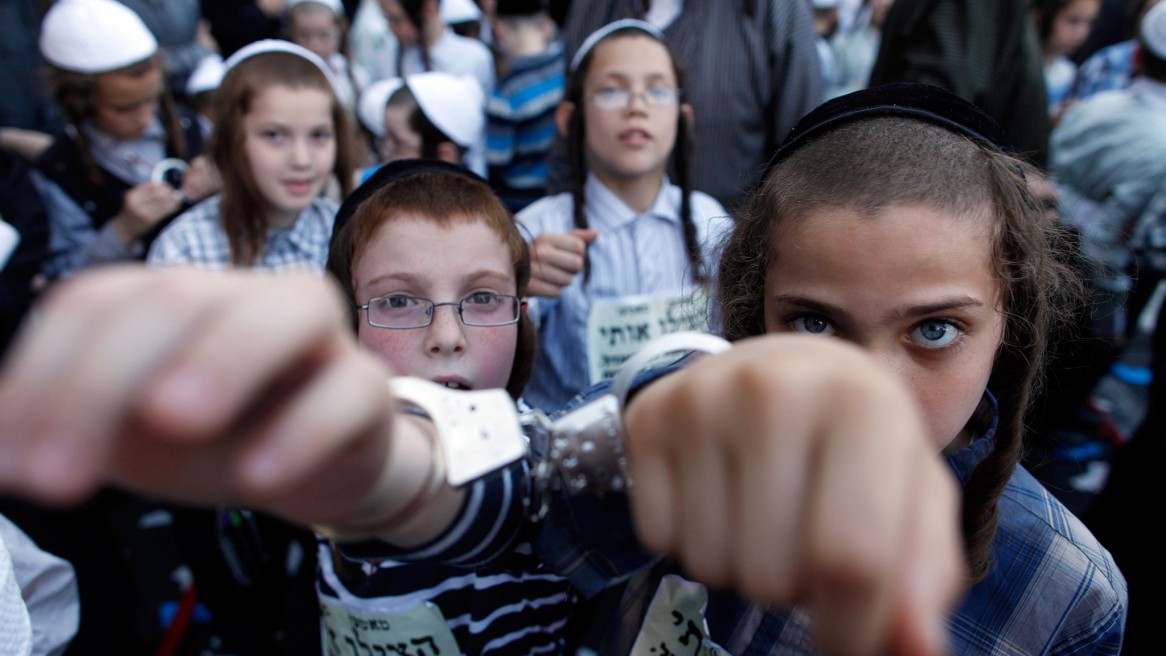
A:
582, 451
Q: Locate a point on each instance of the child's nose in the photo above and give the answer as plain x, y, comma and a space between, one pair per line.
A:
446, 335
301, 153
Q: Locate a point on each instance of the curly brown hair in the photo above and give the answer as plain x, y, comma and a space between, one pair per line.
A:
868, 165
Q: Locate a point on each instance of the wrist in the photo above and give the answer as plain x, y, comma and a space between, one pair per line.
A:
120, 227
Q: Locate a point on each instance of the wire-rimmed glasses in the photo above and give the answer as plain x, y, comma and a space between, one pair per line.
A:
403, 312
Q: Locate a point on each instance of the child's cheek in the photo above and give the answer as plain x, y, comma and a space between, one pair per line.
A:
493, 353
396, 348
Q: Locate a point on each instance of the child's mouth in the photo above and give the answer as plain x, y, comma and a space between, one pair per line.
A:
299, 187
454, 385
635, 137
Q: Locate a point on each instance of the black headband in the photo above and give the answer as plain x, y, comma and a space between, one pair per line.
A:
390, 172
922, 102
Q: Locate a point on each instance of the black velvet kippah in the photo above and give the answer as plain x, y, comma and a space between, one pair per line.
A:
395, 170
909, 100
519, 7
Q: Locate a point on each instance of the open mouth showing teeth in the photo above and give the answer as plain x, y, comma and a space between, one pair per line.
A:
453, 384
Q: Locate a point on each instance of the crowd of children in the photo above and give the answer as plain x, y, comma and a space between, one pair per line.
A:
509, 199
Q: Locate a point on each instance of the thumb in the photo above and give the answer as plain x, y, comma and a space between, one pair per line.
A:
588, 235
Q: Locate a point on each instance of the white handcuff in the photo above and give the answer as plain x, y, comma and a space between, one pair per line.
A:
582, 451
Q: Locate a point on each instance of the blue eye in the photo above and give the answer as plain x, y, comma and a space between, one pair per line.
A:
935, 334
813, 324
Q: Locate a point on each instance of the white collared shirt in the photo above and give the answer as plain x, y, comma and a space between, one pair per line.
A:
635, 254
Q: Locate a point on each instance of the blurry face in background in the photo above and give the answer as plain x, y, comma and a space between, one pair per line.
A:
1071, 27
290, 145
314, 27
400, 141
400, 25
878, 12
634, 141
125, 105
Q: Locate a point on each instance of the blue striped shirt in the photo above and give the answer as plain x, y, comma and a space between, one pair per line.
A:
520, 125
495, 596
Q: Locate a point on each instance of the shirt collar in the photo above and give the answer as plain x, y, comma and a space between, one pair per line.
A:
102, 139
606, 210
964, 461
300, 233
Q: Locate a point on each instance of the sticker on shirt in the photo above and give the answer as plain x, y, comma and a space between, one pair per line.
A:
617, 328
674, 625
419, 631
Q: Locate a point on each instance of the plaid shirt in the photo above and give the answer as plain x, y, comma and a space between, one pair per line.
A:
197, 237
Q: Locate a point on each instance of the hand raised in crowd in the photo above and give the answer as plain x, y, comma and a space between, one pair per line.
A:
795, 470
145, 205
241, 389
556, 258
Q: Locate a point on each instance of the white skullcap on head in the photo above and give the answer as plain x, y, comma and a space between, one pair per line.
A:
279, 45
94, 36
600, 34
207, 75
1153, 30
371, 109
334, 5
455, 104
453, 12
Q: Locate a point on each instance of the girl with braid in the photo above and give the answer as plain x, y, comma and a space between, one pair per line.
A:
622, 257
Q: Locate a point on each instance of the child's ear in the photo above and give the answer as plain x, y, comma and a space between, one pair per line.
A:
563, 116
689, 115
447, 152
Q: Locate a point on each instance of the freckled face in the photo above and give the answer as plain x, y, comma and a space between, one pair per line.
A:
417, 257
912, 285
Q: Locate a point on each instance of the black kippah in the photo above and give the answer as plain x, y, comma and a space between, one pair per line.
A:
907, 100
520, 7
395, 170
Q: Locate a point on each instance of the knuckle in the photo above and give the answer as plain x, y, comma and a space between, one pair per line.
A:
851, 567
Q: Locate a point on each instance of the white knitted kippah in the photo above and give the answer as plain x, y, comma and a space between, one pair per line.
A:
1153, 30
455, 104
279, 45
334, 5
94, 36
371, 109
